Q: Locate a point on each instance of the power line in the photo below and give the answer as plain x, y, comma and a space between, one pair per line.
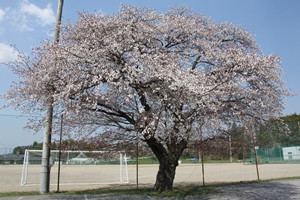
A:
6, 145
12, 115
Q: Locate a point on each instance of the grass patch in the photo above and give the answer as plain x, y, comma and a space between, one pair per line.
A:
276, 179
176, 192
13, 194
257, 181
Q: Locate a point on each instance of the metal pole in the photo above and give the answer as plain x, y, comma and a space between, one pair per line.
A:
202, 164
202, 156
59, 152
255, 153
137, 160
256, 163
45, 166
230, 148
121, 167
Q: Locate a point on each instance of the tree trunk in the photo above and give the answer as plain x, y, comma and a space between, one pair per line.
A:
168, 161
166, 174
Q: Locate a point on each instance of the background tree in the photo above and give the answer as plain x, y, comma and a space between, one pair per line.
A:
241, 142
293, 138
18, 150
156, 74
21, 149
274, 131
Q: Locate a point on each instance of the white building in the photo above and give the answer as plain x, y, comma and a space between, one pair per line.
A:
291, 153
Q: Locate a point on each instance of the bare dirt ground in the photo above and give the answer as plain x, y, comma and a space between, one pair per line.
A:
95, 176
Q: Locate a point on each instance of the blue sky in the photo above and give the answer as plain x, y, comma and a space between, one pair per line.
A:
24, 23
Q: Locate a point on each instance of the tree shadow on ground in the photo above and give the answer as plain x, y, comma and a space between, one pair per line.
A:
264, 190
284, 190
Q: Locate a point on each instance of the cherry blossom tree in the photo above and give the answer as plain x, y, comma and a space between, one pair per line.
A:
162, 75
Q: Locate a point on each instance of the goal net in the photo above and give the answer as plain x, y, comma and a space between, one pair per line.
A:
77, 167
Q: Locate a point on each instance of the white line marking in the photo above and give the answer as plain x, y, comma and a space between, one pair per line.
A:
85, 197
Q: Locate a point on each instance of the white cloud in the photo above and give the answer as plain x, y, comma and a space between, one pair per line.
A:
26, 16
7, 53
2, 13
21, 22
43, 16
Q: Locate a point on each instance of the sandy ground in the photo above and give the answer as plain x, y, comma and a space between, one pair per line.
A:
96, 176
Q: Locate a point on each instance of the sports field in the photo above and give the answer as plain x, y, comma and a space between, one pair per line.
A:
95, 176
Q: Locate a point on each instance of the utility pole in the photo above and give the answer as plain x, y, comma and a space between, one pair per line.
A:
45, 166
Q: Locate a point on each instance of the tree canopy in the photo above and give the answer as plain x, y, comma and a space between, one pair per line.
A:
166, 76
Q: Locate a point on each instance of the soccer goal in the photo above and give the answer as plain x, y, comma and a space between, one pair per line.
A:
77, 167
